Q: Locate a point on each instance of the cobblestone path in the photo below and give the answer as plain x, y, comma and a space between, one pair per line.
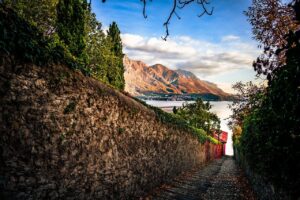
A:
220, 179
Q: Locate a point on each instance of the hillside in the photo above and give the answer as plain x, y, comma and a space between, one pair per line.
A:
143, 80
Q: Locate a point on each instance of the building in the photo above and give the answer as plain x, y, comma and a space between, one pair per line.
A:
222, 137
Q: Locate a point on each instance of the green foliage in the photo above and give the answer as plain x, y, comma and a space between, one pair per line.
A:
116, 68
236, 135
271, 132
39, 13
197, 115
213, 140
27, 43
105, 53
202, 135
20, 38
71, 36
98, 49
180, 123
71, 28
114, 34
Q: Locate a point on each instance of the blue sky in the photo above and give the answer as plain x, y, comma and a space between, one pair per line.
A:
217, 48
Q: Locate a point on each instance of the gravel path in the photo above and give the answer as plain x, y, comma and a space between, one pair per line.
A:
220, 179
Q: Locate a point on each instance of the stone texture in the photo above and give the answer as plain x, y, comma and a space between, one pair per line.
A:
220, 179
66, 136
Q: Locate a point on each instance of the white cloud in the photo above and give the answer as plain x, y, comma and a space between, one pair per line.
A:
131, 40
200, 57
230, 38
156, 46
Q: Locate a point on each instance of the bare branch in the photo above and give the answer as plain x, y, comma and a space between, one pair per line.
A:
181, 4
203, 4
144, 8
167, 32
178, 17
203, 12
184, 3
169, 18
206, 2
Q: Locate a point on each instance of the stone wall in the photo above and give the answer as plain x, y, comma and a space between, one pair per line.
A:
66, 136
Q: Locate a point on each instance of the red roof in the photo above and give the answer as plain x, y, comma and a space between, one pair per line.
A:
222, 137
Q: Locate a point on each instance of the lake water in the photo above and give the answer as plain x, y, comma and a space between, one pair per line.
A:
220, 108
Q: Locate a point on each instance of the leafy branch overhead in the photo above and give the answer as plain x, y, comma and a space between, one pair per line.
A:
179, 4
271, 22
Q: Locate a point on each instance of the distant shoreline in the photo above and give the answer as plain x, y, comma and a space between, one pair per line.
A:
162, 104
184, 100
185, 97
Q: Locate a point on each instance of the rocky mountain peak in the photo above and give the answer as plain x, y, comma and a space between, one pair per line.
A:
186, 74
142, 79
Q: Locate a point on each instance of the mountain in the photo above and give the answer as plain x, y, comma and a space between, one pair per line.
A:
142, 80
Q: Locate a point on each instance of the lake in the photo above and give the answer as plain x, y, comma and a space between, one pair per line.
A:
220, 108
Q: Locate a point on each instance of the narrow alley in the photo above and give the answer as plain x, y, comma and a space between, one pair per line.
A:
221, 179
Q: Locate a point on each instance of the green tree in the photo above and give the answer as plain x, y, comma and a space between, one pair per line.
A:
114, 33
71, 26
98, 49
197, 115
116, 68
105, 53
40, 13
